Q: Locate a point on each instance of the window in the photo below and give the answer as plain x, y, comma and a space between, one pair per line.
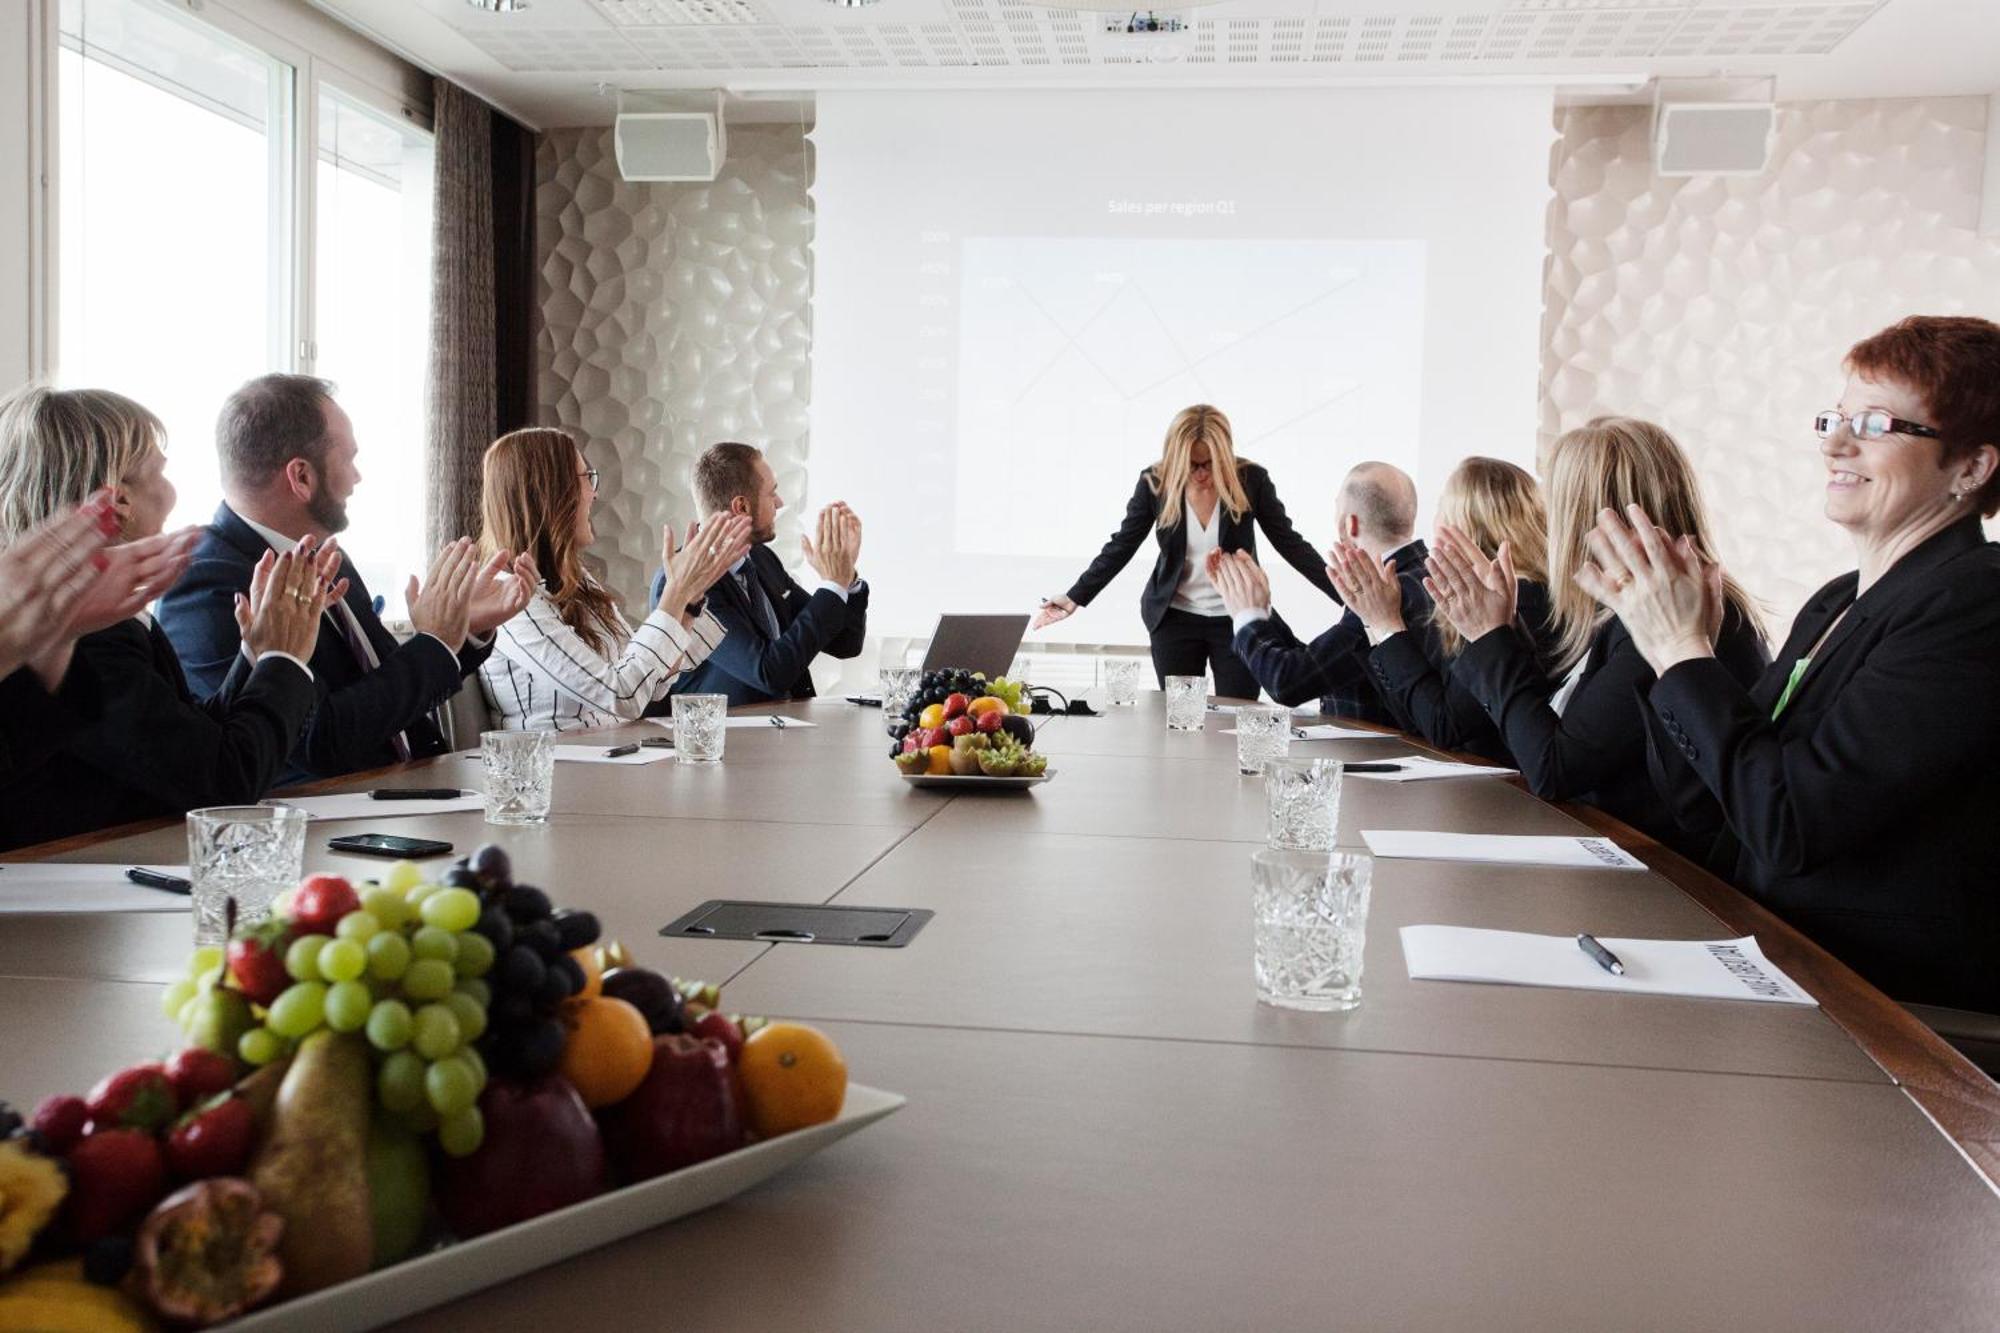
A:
372, 313
173, 221
183, 272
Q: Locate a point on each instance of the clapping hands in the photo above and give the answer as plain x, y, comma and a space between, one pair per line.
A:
1241, 580
1669, 598
1368, 586
702, 557
288, 595
1475, 594
836, 550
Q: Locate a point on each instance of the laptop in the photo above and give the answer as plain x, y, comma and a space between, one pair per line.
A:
976, 643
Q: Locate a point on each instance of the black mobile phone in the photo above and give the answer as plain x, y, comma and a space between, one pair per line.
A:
387, 844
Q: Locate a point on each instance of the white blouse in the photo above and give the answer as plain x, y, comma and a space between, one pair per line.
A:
1197, 592
543, 675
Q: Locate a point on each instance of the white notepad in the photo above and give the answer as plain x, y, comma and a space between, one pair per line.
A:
1501, 849
1705, 969
1416, 768
763, 722
360, 805
45, 886
1327, 731
594, 754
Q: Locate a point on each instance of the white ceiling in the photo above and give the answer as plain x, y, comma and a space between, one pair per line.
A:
560, 62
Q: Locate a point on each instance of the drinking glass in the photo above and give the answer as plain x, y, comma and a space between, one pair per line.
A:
1263, 733
250, 853
1121, 682
1310, 916
520, 775
898, 684
1187, 702
700, 724
1304, 800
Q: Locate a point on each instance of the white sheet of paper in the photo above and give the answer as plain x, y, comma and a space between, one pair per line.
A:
594, 754
1708, 969
763, 722
360, 805
1502, 849
44, 886
1327, 731
1416, 768
1231, 710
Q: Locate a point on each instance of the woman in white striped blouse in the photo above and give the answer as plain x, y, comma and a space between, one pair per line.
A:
571, 660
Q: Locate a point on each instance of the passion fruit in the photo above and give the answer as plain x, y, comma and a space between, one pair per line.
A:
210, 1252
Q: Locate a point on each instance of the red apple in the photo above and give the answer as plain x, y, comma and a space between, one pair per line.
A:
992, 720
961, 725
688, 1110
542, 1152
320, 902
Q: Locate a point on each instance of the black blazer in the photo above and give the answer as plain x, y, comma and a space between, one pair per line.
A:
751, 667
1142, 515
1333, 668
1595, 750
153, 749
34, 723
1412, 675
358, 710
1864, 814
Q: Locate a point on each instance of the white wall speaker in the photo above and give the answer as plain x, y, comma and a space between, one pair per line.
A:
669, 145
1713, 138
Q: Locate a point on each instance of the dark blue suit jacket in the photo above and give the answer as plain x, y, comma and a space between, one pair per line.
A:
750, 666
358, 711
1334, 667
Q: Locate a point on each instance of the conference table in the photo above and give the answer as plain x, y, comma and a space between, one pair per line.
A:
1104, 1129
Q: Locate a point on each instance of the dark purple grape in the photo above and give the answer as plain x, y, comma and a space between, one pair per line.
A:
458, 877
493, 866
514, 1008
574, 930
539, 1048
521, 970
108, 1259
563, 979
541, 937
525, 902
498, 929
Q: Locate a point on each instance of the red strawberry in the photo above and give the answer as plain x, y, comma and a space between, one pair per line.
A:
197, 1073
115, 1175
257, 961
722, 1028
214, 1139
137, 1098
320, 902
60, 1120
954, 705
991, 720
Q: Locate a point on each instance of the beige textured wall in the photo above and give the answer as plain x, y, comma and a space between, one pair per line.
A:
673, 316
1721, 307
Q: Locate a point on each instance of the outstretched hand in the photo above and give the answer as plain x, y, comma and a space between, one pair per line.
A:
1666, 595
1475, 594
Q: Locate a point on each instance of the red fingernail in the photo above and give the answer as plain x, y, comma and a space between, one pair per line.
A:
99, 561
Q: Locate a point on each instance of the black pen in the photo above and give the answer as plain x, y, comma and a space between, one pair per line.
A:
1371, 768
657, 743
416, 793
777, 722
617, 750
1600, 955
153, 879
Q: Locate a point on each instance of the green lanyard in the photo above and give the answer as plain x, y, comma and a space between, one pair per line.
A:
1798, 673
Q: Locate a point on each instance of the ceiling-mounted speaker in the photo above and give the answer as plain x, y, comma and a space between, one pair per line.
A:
669, 145
1714, 138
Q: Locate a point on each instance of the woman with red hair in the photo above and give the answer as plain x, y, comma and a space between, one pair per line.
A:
1851, 788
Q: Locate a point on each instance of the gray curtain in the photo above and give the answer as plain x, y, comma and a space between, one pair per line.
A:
463, 394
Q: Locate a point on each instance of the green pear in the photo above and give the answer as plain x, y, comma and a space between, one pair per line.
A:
399, 1189
214, 1019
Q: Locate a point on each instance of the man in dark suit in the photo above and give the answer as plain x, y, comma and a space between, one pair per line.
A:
287, 452
775, 627
1377, 511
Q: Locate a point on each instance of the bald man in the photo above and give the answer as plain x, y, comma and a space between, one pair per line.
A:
1377, 511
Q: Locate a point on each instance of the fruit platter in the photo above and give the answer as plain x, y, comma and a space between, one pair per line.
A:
392, 1094
962, 730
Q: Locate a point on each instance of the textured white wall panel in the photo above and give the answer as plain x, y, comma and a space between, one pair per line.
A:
673, 316
1721, 307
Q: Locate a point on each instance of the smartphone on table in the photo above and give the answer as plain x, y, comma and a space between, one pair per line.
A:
389, 845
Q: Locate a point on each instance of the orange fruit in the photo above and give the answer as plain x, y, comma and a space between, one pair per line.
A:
792, 1077
610, 1048
941, 760
987, 703
932, 716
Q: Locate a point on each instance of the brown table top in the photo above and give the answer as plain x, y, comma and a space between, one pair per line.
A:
1104, 1128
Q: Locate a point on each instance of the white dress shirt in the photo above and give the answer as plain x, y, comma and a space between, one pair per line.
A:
544, 676
1197, 592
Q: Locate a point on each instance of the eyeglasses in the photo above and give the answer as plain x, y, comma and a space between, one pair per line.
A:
1870, 423
1201, 464
590, 473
